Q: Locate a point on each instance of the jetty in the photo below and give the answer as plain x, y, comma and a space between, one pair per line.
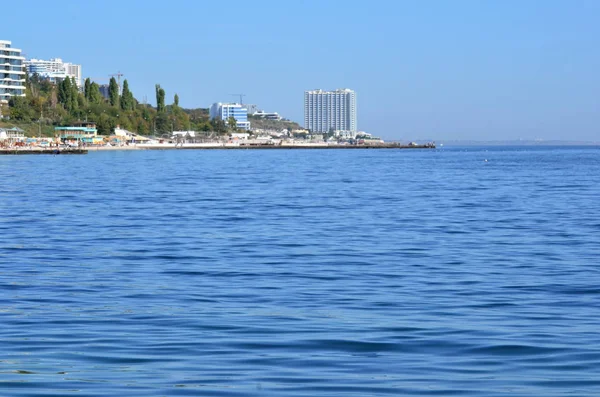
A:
271, 146
35, 150
20, 150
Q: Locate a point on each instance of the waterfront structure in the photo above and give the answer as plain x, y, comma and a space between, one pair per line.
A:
83, 131
223, 111
54, 70
184, 134
12, 72
12, 134
330, 110
122, 132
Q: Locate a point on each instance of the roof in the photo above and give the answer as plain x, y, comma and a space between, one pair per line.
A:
84, 129
13, 129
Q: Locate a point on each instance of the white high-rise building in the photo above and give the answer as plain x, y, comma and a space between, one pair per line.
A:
327, 110
74, 71
54, 69
12, 72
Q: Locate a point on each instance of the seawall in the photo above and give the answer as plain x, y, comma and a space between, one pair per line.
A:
278, 147
20, 151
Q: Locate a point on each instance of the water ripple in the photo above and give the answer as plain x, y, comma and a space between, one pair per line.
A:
301, 273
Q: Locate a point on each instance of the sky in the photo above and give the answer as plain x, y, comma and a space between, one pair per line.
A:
422, 69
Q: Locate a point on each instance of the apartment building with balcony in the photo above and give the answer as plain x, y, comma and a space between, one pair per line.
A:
54, 70
12, 72
330, 110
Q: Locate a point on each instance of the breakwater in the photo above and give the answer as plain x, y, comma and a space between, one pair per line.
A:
13, 151
207, 146
230, 146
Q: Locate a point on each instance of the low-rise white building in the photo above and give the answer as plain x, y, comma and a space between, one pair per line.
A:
240, 135
267, 115
343, 134
185, 134
121, 132
11, 134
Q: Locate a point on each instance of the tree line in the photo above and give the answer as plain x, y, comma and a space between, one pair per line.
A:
63, 103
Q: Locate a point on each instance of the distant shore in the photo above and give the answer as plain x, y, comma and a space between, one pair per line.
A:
204, 146
241, 146
520, 143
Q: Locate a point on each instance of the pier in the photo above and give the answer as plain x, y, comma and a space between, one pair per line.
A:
28, 150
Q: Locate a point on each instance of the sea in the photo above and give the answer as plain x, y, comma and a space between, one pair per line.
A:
459, 271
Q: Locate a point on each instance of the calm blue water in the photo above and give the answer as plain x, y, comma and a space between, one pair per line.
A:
301, 273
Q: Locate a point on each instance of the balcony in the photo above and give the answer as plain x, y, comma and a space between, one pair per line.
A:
8, 80
11, 94
9, 86
14, 69
8, 56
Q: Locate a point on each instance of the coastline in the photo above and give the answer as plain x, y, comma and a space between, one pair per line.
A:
203, 146
40, 151
238, 146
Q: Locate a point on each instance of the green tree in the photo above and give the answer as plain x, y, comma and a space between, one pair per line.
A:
20, 109
64, 94
61, 95
218, 125
87, 89
127, 101
81, 102
113, 92
204, 126
176, 100
74, 95
105, 124
232, 123
95, 95
160, 99
163, 124
157, 89
31, 85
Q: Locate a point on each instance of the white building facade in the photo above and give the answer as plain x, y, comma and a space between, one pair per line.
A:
54, 70
224, 111
327, 110
267, 115
12, 72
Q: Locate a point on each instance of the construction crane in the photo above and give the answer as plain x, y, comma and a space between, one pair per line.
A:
118, 75
241, 96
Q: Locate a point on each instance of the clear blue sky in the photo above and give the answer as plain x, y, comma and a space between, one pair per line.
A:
446, 69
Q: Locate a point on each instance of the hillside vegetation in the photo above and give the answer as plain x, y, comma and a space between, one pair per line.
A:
47, 105
273, 125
